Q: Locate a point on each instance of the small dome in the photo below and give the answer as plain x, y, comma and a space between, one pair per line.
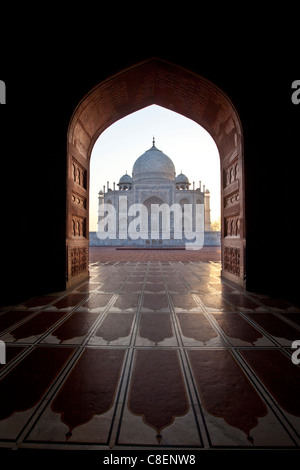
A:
125, 179
182, 179
153, 164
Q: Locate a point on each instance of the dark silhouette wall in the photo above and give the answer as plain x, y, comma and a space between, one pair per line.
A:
41, 97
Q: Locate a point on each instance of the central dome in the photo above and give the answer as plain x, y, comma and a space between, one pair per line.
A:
153, 164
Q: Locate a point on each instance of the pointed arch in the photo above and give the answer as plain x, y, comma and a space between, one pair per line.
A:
158, 82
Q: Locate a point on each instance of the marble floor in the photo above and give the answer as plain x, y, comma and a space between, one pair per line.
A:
152, 352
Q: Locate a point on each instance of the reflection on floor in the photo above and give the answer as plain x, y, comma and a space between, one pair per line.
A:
150, 353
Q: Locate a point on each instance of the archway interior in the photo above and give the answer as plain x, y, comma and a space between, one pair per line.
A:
173, 88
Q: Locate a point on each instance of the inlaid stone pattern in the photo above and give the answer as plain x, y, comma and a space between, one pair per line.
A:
79, 260
150, 352
232, 260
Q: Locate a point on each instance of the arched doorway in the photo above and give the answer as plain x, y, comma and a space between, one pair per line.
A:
156, 82
148, 202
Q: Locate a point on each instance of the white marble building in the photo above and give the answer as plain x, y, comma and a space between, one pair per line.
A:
154, 181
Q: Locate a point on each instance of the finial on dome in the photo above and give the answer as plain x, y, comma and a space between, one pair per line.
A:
153, 142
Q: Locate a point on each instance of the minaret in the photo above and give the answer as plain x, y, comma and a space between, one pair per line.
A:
207, 211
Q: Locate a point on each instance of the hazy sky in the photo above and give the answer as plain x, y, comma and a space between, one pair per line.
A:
191, 148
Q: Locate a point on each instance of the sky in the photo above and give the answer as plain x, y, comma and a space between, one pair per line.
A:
191, 148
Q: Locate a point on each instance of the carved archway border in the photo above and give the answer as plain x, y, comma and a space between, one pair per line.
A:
156, 82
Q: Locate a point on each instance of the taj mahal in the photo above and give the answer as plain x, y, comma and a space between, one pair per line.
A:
154, 184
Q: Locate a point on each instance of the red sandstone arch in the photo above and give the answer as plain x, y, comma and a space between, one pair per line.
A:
156, 82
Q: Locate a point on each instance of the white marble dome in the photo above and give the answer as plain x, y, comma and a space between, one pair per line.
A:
153, 165
125, 179
181, 178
